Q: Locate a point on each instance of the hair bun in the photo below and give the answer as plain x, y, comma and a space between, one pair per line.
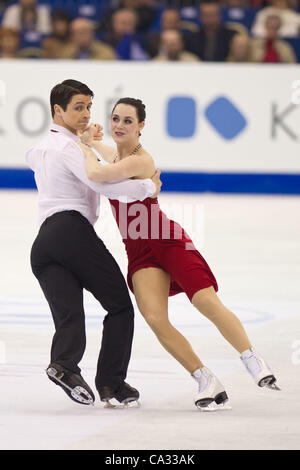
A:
137, 104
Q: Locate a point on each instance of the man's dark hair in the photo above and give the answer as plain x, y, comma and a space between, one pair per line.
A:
62, 93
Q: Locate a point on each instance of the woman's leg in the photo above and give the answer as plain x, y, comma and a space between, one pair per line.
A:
151, 290
209, 304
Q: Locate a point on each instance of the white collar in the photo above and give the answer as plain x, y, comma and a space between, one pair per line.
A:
65, 131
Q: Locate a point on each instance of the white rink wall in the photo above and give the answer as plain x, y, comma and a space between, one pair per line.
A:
200, 117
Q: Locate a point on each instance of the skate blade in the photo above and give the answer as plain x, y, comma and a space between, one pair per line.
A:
269, 382
81, 395
214, 407
273, 386
115, 404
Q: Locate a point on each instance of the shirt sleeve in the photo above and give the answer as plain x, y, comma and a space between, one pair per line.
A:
130, 190
29, 159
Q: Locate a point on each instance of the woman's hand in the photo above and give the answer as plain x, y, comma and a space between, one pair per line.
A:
88, 152
156, 180
90, 134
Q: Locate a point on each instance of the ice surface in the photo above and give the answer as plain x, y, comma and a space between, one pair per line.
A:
252, 244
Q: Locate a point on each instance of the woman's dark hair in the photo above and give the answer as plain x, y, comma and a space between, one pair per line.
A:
137, 104
62, 93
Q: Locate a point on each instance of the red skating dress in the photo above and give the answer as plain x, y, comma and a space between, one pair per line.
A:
153, 240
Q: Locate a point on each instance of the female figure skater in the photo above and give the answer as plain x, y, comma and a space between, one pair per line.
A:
162, 259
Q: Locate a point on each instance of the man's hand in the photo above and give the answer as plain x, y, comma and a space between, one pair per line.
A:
156, 180
91, 133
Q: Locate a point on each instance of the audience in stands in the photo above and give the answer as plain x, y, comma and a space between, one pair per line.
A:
124, 37
163, 30
144, 9
169, 19
26, 15
51, 48
290, 19
60, 37
61, 26
212, 42
9, 43
172, 48
240, 49
84, 45
271, 48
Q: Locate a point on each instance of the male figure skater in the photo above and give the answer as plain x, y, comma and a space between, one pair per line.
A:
67, 256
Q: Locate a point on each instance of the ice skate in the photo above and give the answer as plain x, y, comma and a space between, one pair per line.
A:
124, 396
73, 384
211, 394
259, 370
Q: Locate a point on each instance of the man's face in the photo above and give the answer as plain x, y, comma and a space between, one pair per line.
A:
171, 43
10, 43
82, 34
272, 27
77, 114
123, 22
170, 19
210, 15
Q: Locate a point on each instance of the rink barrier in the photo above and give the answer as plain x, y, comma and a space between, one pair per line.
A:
188, 182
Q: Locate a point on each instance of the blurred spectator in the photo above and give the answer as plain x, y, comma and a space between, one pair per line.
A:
51, 48
172, 48
290, 19
61, 26
123, 22
83, 43
144, 10
271, 49
9, 43
169, 19
26, 15
123, 36
213, 40
240, 49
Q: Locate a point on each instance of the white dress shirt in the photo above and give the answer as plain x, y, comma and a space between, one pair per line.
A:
59, 170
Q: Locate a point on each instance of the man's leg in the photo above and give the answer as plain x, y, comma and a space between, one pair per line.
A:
108, 286
65, 298
71, 239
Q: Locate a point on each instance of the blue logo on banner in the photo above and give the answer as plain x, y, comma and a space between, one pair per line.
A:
225, 118
222, 114
181, 117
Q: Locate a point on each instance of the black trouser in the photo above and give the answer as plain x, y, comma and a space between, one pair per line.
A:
67, 256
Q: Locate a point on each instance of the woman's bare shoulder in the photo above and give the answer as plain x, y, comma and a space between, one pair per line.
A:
148, 164
146, 155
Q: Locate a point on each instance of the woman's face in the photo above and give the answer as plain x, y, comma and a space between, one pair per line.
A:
124, 124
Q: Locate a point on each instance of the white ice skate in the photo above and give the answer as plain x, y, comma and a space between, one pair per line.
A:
211, 394
259, 370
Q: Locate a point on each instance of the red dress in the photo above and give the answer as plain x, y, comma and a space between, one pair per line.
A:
153, 240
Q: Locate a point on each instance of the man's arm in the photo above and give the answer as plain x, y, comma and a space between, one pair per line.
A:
137, 190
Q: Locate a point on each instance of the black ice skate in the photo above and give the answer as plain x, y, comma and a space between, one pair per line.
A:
123, 396
73, 384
